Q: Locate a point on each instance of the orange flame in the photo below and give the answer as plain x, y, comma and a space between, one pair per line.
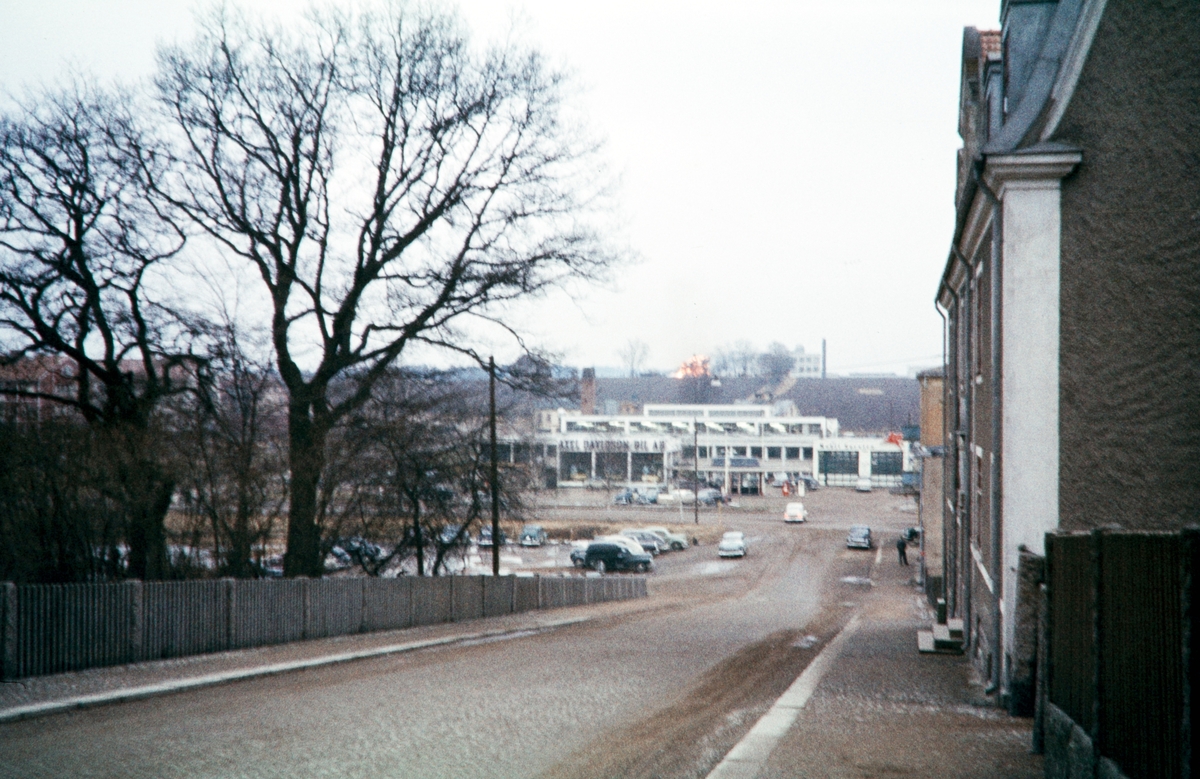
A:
694, 367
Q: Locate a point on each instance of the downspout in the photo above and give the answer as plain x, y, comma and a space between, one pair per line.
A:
994, 346
963, 434
945, 406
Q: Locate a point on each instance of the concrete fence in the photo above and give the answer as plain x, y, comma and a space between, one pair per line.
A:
52, 628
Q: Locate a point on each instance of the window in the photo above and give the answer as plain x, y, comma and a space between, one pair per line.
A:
739, 451
808, 453
887, 463
792, 453
688, 452
756, 451
839, 462
773, 452
704, 451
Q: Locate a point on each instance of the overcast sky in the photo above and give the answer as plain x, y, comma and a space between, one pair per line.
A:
786, 168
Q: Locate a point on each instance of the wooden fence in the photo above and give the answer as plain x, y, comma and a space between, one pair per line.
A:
47, 629
1120, 673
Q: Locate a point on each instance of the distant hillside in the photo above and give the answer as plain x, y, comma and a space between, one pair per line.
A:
861, 405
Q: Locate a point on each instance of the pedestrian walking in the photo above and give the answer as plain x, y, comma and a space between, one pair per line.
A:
902, 550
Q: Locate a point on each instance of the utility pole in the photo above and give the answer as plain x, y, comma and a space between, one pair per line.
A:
495, 479
696, 470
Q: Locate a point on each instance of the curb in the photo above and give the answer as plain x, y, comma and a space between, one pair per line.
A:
34, 710
749, 755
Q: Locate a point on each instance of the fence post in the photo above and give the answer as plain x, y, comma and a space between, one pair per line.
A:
230, 609
137, 621
1190, 549
306, 617
362, 611
1096, 562
8, 631
1041, 682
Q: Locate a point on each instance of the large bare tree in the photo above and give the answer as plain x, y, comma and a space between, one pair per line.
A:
388, 183
80, 244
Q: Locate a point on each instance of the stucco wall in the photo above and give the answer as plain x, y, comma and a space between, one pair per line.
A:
1130, 349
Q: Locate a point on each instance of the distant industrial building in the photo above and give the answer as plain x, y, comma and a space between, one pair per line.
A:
741, 447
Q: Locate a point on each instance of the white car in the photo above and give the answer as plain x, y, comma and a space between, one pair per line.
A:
629, 543
795, 513
733, 544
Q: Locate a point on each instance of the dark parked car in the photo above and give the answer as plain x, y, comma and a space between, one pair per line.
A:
809, 482
603, 556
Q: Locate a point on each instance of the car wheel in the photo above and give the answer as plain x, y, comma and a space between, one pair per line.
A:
643, 567
599, 566
678, 547
578, 563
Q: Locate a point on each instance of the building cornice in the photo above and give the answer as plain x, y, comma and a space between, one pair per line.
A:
1029, 170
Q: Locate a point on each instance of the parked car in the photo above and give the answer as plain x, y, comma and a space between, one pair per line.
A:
650, 542
733, 544
863, 484
532, 535
859, 538
646, 496
681, 494
675, 541
794, 512
710, 497
604, 556
485, 537
809, 482
625, 541
624, 498
355, 551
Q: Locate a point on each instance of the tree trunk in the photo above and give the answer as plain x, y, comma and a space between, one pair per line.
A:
306, 455
149, 503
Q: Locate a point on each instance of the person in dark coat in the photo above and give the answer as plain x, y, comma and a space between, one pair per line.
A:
902, 550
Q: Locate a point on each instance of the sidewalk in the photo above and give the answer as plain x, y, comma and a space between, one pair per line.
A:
871, 706
43, 695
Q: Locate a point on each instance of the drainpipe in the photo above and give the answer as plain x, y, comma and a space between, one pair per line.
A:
942, 498
964, 332
994, 346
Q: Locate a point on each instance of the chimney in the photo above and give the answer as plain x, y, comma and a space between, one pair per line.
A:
822, 358
587, 392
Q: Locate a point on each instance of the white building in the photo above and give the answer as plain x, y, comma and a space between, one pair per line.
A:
743, 448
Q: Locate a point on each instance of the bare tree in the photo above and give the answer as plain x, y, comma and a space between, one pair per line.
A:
387, 184
231, 451
736, 359
80, 243
776, 363
633, 355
